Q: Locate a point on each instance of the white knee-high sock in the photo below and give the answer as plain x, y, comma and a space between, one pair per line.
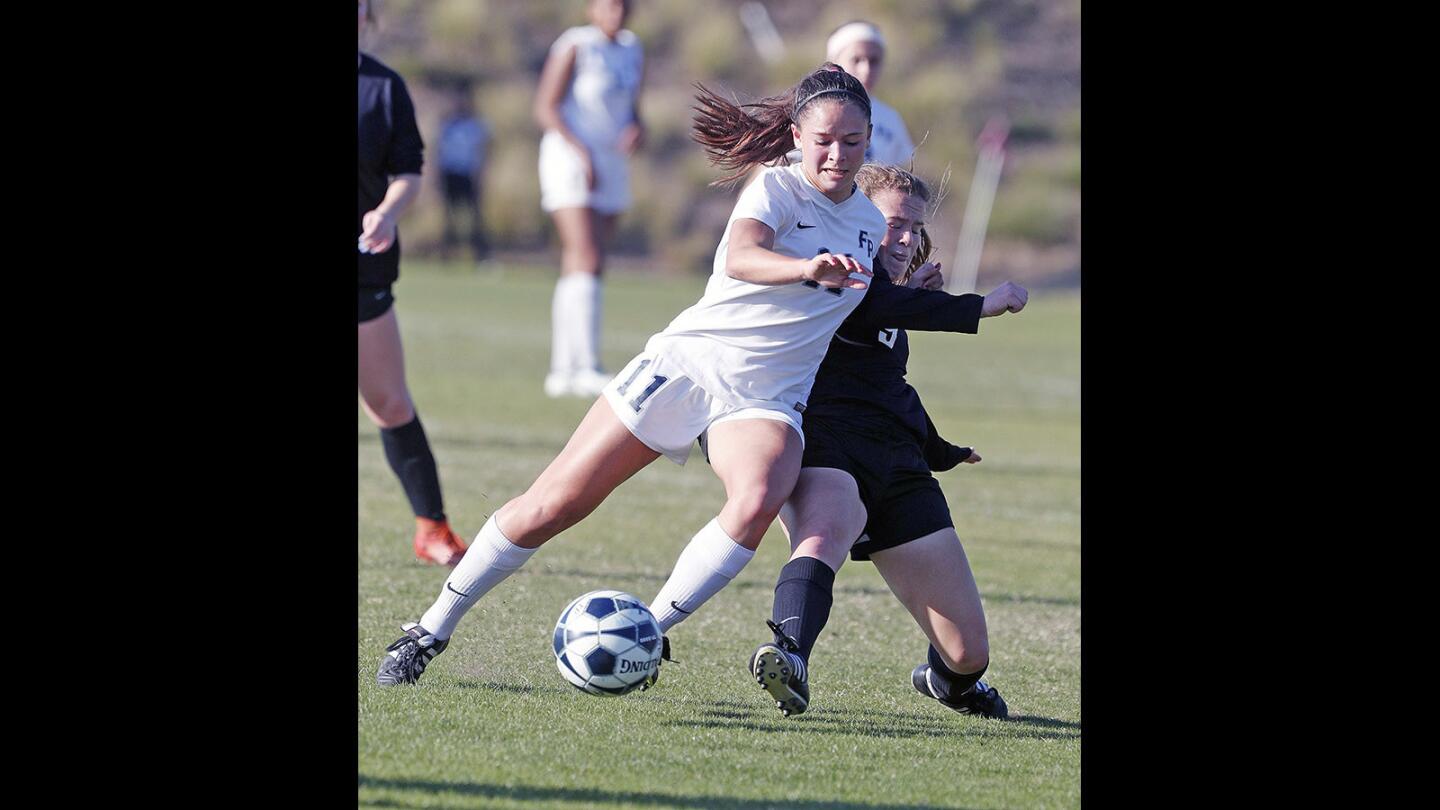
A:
585, 315
488, 561
562, 352
707, 564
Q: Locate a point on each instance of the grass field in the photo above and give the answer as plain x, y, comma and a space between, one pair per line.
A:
492, 724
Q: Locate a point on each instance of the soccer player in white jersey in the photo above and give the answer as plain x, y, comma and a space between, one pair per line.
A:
733, 370
588, 106
860, 49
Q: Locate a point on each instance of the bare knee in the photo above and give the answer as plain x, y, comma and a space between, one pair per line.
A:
830, 553
832, 541
391, 410
583, 259
967, 656
537, 516
754, 509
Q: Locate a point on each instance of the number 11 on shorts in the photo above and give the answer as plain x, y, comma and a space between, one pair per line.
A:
655, 382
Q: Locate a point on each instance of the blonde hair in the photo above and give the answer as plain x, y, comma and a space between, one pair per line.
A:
874, 178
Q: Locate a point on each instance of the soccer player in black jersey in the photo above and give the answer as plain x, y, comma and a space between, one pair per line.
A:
866, 488
390, 161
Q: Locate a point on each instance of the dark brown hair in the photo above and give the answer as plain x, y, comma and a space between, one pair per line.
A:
874, 178
741, 137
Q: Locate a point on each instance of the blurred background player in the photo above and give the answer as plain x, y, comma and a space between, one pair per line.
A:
390, 161
860, 49
869, 452
463, 140
588, 105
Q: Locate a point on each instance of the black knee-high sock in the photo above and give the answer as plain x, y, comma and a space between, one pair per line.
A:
949, 683
409, 455
802, 601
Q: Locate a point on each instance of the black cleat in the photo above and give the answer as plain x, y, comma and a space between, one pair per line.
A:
664, 656
981, 699
406, 659
782, 673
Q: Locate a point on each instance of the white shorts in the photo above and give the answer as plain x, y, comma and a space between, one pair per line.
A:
667, 412
562, 178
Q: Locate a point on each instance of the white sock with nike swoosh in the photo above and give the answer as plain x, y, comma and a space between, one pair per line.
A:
488, 561
708, 563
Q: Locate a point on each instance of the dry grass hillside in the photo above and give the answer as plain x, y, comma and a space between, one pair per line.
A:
952, 65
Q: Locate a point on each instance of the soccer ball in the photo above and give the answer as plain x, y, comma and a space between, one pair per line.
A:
607, 643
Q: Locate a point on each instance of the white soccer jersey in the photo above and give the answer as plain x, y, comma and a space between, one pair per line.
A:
601, 98
754, 345
889, 139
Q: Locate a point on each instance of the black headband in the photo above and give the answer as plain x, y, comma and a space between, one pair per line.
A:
845, 91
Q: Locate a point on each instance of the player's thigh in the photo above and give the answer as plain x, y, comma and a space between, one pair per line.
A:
823, 515
382, 370
601, 455
931, 576
755, 458
578, 229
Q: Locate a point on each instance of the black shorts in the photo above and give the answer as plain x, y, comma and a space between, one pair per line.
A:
459, 188
903, 501
373, 302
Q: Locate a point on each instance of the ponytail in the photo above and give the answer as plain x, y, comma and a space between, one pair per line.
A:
741, 137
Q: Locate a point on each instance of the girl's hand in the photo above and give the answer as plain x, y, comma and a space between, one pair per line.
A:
379, 232
927, 277
834, 270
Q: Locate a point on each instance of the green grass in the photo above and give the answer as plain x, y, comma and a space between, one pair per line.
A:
492, 724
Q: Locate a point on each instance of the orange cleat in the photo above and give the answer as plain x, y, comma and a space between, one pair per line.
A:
436, 542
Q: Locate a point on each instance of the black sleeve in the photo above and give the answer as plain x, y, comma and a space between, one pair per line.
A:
941, 455
887, 306
405, 155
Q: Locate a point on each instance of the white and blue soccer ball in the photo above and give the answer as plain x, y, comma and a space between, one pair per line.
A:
607, 643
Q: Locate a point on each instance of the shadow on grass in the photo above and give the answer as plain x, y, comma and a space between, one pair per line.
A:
872, 722
596, 798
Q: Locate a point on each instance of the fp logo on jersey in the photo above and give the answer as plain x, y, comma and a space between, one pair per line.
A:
866, 244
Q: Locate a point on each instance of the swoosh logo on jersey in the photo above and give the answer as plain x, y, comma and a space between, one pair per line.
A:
803, 225
816, 286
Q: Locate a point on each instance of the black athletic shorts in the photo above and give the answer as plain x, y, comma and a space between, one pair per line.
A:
459, 188
373, 302
903, 501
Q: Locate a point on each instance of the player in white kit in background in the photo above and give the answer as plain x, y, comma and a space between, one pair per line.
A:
859, 48
588, 105
734, 368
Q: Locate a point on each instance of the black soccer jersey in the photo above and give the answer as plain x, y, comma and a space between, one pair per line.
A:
389, 145
861, 381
